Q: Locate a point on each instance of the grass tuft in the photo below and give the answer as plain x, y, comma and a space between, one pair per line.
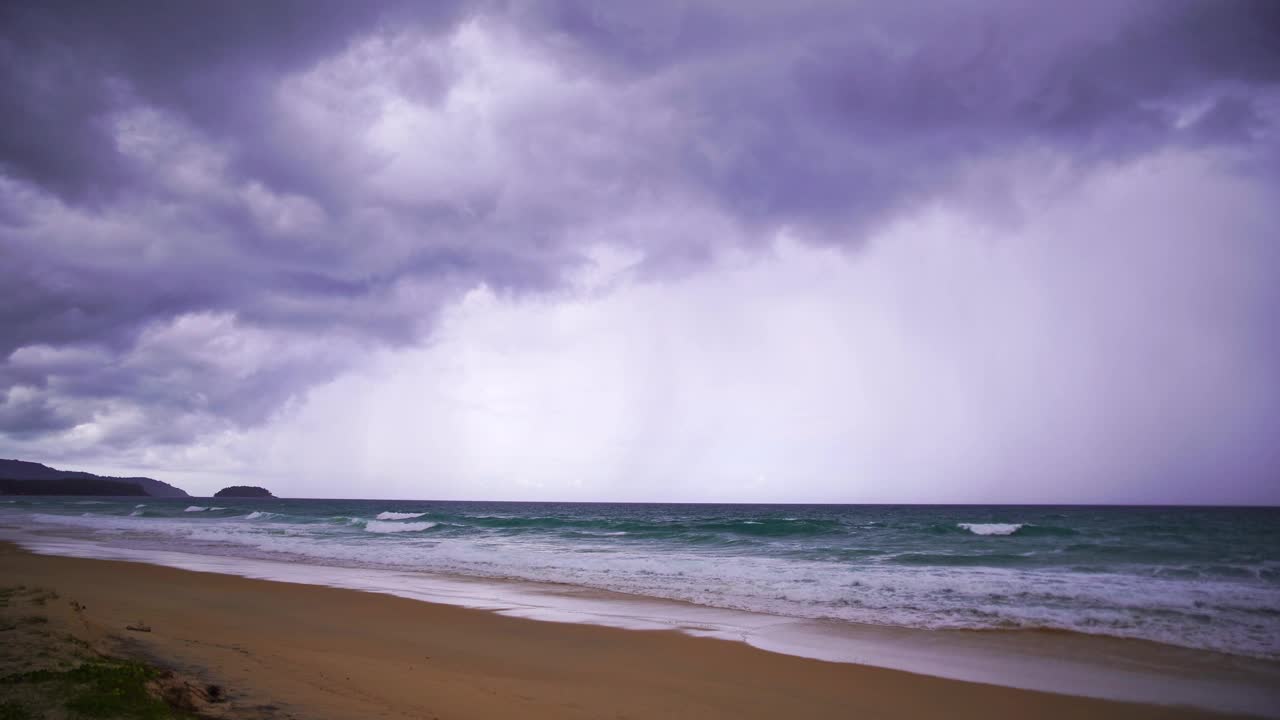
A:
15, 711
7, 593
28, 620
106, 689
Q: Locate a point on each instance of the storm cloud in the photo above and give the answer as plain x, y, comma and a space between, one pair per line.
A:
208, 209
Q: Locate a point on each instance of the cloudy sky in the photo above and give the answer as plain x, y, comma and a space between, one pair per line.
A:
723, 250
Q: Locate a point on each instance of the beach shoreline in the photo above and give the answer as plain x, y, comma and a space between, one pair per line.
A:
1052, 661
317, 651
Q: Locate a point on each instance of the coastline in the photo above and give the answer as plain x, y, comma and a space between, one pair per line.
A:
321, 651
1051, 661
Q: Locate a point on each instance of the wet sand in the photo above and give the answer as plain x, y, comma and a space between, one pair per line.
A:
290, 650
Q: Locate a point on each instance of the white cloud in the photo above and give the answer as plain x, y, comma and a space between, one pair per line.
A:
1102, 350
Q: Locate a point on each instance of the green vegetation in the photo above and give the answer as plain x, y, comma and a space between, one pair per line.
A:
14, 711
98, 689
28, 620
7, 594
247, 491
21, 470
35, 596
46, 672
70, 486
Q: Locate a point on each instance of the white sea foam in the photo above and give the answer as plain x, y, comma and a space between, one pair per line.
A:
140, 505
398, 515
960, 656
992, 528
1131, 604
197, 508
382, 526
257, 515
1135, 606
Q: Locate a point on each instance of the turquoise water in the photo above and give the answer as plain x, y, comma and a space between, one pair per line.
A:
1206, 578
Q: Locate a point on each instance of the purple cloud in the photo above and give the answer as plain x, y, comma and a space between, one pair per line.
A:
207, 209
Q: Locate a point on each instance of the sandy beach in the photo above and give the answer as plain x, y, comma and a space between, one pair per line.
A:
301, 651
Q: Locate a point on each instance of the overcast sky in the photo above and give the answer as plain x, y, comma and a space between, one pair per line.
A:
708, 251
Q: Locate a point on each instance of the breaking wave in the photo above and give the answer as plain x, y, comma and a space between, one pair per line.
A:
399, 515
1199, 577
382, 526
992, 528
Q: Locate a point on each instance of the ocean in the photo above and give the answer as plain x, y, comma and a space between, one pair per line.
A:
1201, 578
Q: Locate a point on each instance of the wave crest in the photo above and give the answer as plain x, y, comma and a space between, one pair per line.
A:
992, 528
382, 526
398, 515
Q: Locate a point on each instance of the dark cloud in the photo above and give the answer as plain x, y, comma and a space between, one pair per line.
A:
1231, 118
841, 130
192, 193
69, 64
29, 417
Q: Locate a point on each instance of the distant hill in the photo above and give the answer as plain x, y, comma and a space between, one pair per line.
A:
32, 471
248, 491
70, 486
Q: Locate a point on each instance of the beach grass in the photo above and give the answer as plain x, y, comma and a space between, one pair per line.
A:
105, 688
48, 672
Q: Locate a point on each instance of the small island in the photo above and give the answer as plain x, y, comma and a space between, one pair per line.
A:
244, 491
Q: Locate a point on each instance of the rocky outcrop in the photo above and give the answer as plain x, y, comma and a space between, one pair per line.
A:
244, 491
